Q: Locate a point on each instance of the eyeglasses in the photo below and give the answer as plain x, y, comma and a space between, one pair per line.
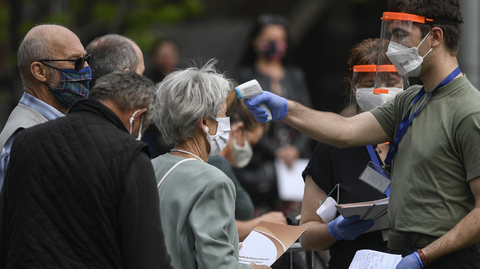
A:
79, 62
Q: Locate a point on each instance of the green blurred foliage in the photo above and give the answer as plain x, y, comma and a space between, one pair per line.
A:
141, 20
104, 12
57, 18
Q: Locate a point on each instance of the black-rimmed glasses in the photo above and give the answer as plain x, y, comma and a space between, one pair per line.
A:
79, 62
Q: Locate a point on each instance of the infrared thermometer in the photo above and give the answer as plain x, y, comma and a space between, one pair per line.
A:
250, 89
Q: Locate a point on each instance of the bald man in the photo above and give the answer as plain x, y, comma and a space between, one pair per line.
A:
112, 53
55, 73
139, 53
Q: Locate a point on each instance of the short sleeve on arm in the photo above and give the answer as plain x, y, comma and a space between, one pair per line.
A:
321, 169
468, 131
385, 117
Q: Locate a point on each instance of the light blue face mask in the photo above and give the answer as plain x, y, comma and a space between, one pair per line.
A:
74, 85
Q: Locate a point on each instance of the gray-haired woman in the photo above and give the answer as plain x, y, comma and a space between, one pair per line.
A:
197, 201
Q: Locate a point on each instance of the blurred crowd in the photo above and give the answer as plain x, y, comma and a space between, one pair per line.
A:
108, 163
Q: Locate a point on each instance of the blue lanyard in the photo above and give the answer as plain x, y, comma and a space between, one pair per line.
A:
406, 121
375, 160
372, 154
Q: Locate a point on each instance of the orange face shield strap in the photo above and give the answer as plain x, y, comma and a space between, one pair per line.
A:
371, 68
389, 16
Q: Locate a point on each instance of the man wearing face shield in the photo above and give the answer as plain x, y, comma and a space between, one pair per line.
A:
55, 73
434, 210
80, 190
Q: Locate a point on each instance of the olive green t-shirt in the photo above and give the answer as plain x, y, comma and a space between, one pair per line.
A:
437, 156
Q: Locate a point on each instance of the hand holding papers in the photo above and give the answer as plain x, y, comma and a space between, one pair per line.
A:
267, 242
348, 228
366, 259
375, 210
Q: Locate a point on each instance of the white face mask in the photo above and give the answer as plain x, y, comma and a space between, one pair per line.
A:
220, 140
139, 137
406, 60
367, 100
241, 156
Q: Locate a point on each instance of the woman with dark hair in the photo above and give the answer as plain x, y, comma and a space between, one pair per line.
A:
265, 60
331, 167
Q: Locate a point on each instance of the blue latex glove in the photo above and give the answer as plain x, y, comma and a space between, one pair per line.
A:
349, 228
411, 261
278, 105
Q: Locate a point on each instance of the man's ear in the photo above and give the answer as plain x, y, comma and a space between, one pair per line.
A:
140, 113
437, 36
39, 71
126, 70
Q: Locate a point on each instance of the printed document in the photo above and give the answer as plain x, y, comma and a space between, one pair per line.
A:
371, 259
268, 241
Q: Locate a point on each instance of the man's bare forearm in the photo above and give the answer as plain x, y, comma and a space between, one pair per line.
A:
331, 128
465, 233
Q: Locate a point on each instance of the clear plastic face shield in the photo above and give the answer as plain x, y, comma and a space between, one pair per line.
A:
373, 85
401, 39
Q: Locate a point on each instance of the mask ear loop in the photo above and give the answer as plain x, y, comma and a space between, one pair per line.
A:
425, 38
338, 194
132, 119
140, 130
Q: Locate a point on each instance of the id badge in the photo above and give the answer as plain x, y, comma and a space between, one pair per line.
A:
376, 177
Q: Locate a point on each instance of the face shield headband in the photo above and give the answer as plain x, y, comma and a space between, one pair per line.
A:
401, 43
368, 97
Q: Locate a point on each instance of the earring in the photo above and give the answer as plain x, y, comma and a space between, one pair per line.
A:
206, 129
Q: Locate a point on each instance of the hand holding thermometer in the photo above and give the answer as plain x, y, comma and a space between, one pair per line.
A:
250, 89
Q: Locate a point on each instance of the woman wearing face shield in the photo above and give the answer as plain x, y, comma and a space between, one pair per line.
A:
245, 132
330, 166
197, 200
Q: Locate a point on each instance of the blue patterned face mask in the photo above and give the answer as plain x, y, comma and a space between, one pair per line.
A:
74, 85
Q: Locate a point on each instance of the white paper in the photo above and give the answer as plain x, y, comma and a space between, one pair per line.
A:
256, 243
267, 242
371, 259
289, 179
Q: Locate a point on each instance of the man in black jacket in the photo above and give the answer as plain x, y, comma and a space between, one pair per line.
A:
80, 191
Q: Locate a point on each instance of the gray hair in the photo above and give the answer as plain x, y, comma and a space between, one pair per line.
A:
111, 53
127, 90
32, 49
188, 95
